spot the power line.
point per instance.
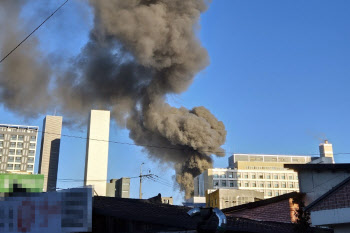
(174, 148)
(33, 31)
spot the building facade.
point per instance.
(262, 173)
(96, 163)
(119, 188)
(225, 198)
(49, 152)
(17, 148)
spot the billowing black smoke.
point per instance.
(138, 52)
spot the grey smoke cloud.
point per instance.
(138, 52)
(24, 76)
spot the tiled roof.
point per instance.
(144, 211)
(176, 216)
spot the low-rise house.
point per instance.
(332, 209)
(277, 209)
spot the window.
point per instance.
(216, 176)
(0, 151)
(277, 193)
(18, 159)
(297, 185)
(253, 184)
(12, 144)
(32, 138)
(13, 137)
(9, 166)
(1, 136)
(246, 176)
(11, 159)
(223, 176)
(30, 167)
(261, 177)
(246, 185)
(11, 151)
(276, 185)
(230, 175)
(231, 184)
(283, 185)
(18, 152)
(31, 145)
(253, 176)
(20, 137)
(283, 177)
(31, 152)
(275, 177)
(1, 144)
(291, 186)
(262, 185)
(268, 176)
(31, 160)
(269, 185)
(19, 145)
(216, 183)
(239, 184)
(291, 177)
(238, 175)
(223, 183)
(0, 158)
(269, 194)
(17, 166)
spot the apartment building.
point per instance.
(119, 188)
(262, 173)
(17, 148)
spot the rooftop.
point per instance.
(319, 167)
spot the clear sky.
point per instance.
(278, 78)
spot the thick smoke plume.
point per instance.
(138, 52)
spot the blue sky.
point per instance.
(278, 78)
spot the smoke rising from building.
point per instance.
(138, 52)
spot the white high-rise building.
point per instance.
(96, 162)
(262, 173)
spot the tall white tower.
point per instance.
(96, 162)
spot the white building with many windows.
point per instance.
(262, 173)
(17, 148)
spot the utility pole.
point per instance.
(141, 181)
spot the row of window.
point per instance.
(18, 167)
(223, 183)
(18, 159)
(253, 176)
(18, 152)
(17, 137)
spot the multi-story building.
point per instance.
(96, 162)
(50, 150)
(262, 173)
(17, 148)
(119, 188)
(225, 198)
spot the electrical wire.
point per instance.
(33, 31)
(174, 148)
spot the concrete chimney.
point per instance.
(326, 150)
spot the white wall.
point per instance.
(96, 163)
(315, 184)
